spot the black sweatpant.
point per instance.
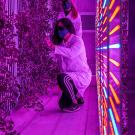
(69, 91)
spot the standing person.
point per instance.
(72, 14)
(75, 74)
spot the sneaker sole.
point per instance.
(69, 111)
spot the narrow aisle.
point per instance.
(54, 122)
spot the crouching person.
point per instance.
(75, 74)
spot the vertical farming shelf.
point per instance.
(111, 65)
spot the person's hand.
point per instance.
(49, 43)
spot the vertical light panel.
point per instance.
(109, 65)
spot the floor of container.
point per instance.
(55, 122)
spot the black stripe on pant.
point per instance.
(68, 88)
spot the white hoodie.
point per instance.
(73, 61)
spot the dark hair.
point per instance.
(67, 24)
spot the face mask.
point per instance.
(62, 32)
